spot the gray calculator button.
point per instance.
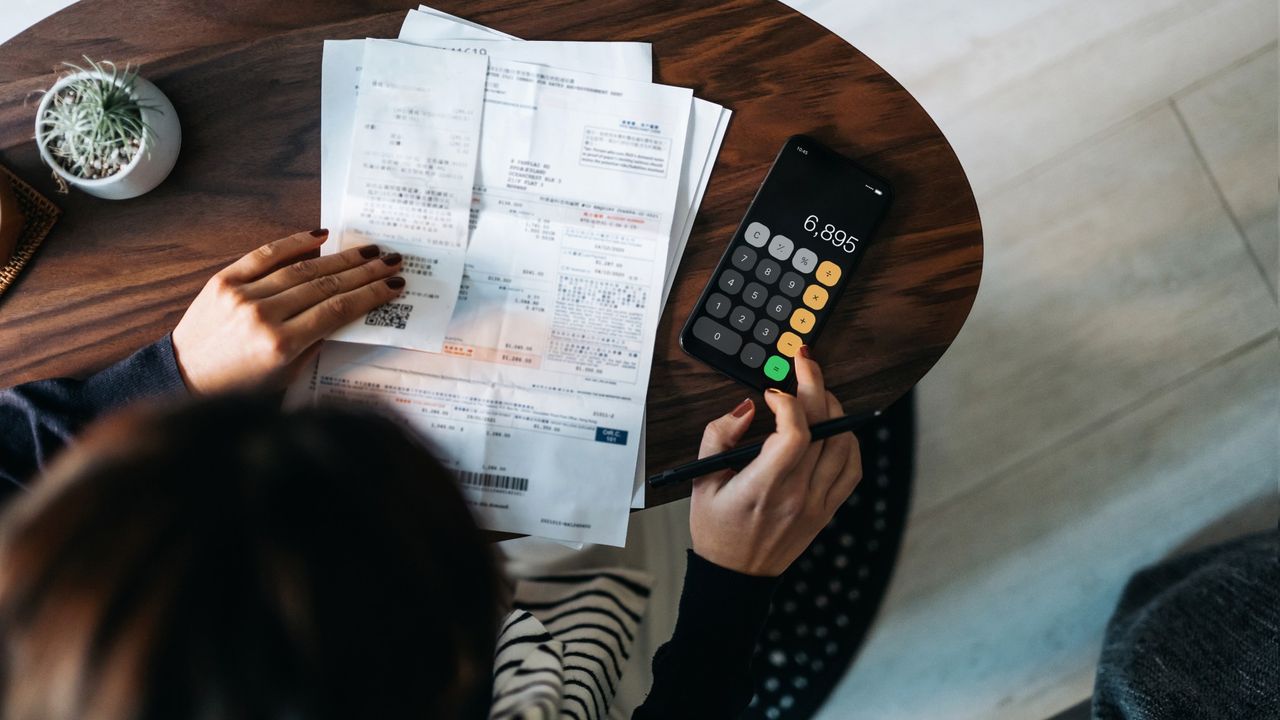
(781, 247)
(716, 335)
(791, 284)
(766, 332)
(757, 234)
(778, 307)
(754, 294)
(768, 271)
(731, 282)
(805, 260)
(718, 305)
(741, 318)
(752, 355)
(744, 258)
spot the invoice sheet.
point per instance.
(414, 148)
(538, 400)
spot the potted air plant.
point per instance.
(107, 131)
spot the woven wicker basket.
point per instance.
(41, 215)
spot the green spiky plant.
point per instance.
(93, 126)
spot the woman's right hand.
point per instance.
(760, 519)
(258, 321)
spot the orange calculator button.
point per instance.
(789, 344)
(802, 320)
(828, 273)
(815, 296)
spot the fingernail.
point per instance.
(392, 259)
(775, 390)
(369, 251)
(804, 352)
(743, 408)
(319, 232)
(395, 283)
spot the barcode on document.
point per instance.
(493, 481)
(391, 315)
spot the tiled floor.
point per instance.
(1115, 394)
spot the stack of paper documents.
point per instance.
(541, 194)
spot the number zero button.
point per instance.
(815, 296)
(828, 273)
(716, 335)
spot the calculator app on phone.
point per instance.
(785, 267)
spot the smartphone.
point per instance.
(787, 265)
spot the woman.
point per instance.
(227, 559)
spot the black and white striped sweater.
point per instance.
(561, 652)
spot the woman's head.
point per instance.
(228, 559)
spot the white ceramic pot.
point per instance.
(153, 162)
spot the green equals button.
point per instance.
(777, 368)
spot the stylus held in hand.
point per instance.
(738, 458)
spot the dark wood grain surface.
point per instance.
(245, 79)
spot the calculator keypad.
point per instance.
(766, 302)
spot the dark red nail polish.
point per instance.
(369, 251)
(319, 232)
(743, 408)
(392, 259)
(395, 283)
(804, 352)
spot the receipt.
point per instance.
(414, 145)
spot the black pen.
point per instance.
(738, 458)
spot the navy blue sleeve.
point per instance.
(703, 672)
(38, 418)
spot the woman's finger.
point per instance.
(299, 298)
(308, 269)
(813, 398)
(786, 446)
(260, 262)
(321, 320)
(850, 473)
(835, 453)
(721, 435)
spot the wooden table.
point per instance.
(245, 79)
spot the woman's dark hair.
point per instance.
(231, 560)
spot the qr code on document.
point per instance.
(391, 315)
